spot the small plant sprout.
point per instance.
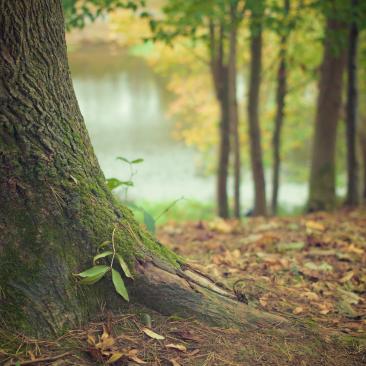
(113, 183)
(98, 271)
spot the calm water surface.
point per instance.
(124, 105)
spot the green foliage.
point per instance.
(97, 272)
(79, 12)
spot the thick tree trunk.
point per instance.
(351, 115)
(280, 112)
(233, 105)
(260, 207)
(322, 180)
(55, 207)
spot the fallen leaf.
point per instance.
(115, 357)
(314, 226)
(179, 347)
(348, 276)
(297, 310)
(152, 334)
(174, 362)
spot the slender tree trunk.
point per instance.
(280, 102)
(234, 119)
(322, 180)
(351, 115)
(56, 209)
(362, 142)
(220, 78)
(253, 111)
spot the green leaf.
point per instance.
(102, 255)
(149, 221)
(124, 266)
(93, 271)
(92, 279)
(123, 159)
(119, 284)
(137, 161)
(113, 183)
(104, 244)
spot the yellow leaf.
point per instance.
(105, 334)
(313, 225)
(179, 347)
(91, 340)
(152, 334)
(115, 357)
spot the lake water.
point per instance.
(124, 104)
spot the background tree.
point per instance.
(281, 92)
(214, 22)
(257, 12)
(323, 174)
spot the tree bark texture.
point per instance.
(322, 195)
(351, 115)
(280, 113)
(55, 208)
(260, 206)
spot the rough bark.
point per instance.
(233, 105)
(219, 72)
(280, 112)
(322, 195)
(56, 209)
(352, 198)
(253, 110)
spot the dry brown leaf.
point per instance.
(174, 362)
(348, 276)
(152, 334)
(179, 347)
(298, 310)
(312, 296)
(137, 360)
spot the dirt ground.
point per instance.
(309, 269)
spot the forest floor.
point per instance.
(310, 269)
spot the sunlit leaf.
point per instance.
(93, 271)
(150, 333)
(179, 347)
(115, 357)
(102, 255)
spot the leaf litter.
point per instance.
(310, 269)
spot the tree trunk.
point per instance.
(322, 180)
(351, 114)
(219, 73)
(253, 107)
(362, 142)
(56, 209)
(280, 103)
(233, 105)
